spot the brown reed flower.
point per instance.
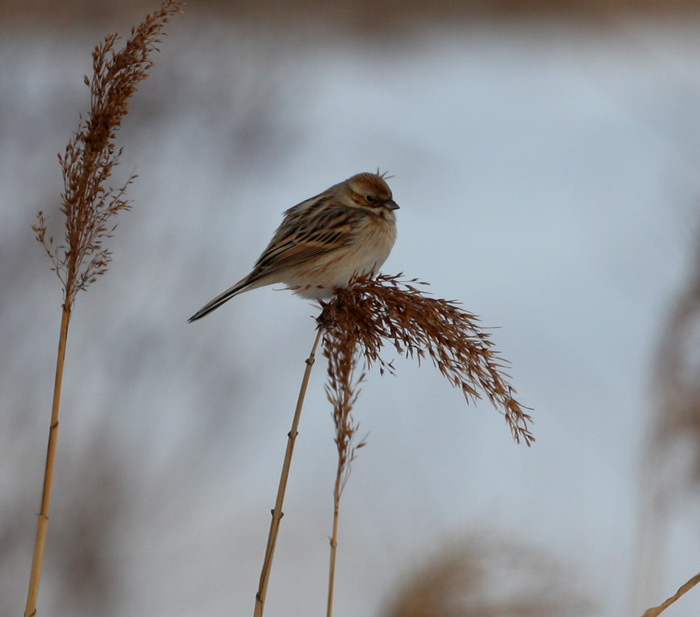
(89, 206)
(86, 201)
(373, 310)
(370, 311)
(481, 576)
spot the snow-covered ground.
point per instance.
(547, 177)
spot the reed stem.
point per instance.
(334, 537)
(277, 512)
(657, 610)
(43, 516)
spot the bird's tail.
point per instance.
(214, 304)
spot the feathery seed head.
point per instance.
(375, 310)
(88, 203)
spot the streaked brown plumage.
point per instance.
(322, 242)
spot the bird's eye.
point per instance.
(370, 199)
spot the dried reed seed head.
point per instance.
(91, 154)
(360, 318)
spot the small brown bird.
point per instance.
(347, 230)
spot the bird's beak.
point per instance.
(392, 205)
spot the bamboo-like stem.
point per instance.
(43, 516)
(277, 512)
(657, 610)
(334, 538)
(88, 204)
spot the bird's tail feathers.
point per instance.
(214, 304)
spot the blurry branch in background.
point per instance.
(479, 577)
(371, 311)
(84, 560)
(678, 381)
(83, 567)
(89, 207)
(671, 465)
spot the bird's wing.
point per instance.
(312, 228)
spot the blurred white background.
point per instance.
(547, 176)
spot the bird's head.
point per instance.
(370, 192)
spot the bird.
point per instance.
(347, 230)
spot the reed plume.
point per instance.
(90, 206)
(355, 324)
(370, 312)
(342, 391)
